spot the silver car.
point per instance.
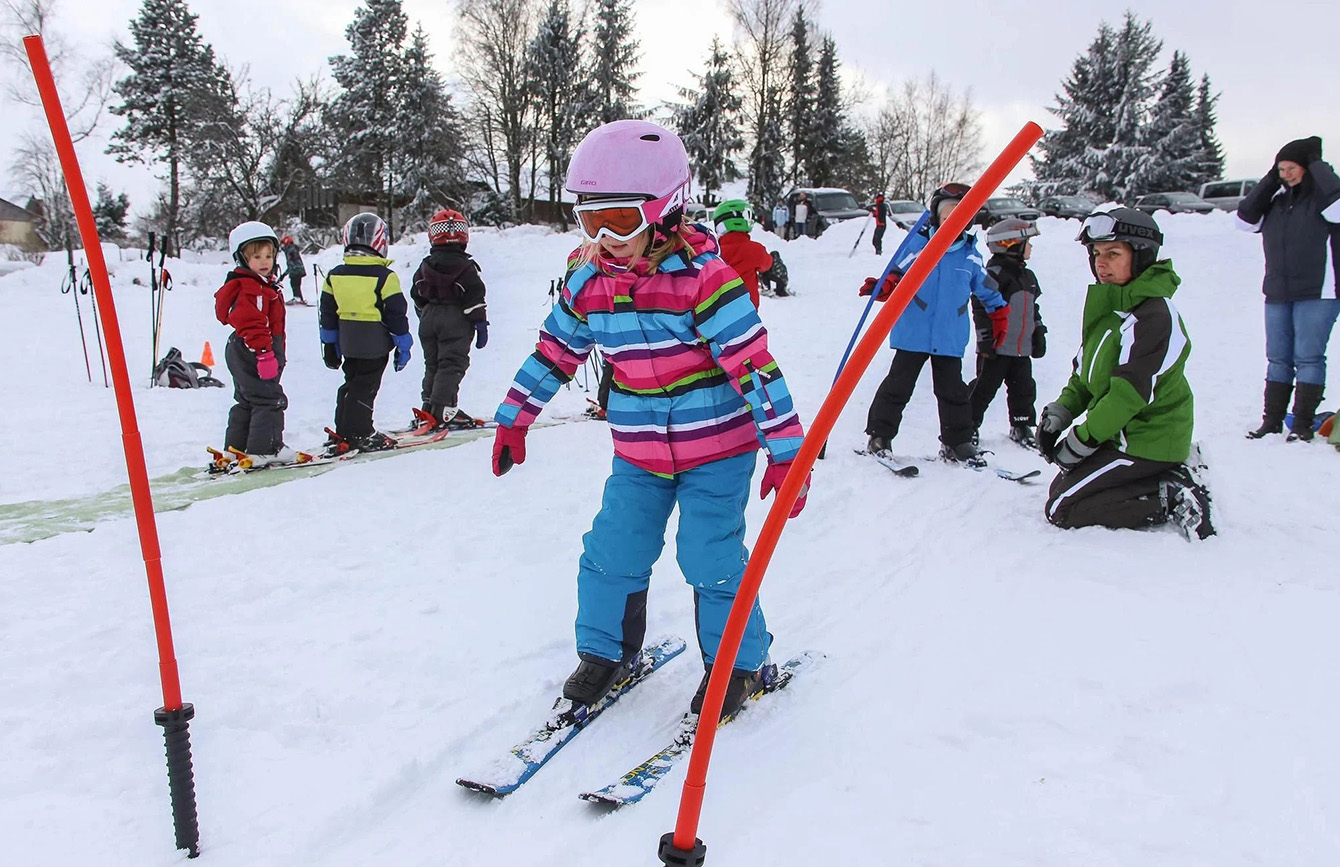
(1227, 195)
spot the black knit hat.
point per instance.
(1302, 151)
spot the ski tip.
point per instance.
(609, 802)
(481, 788)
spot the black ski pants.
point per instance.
(878, 238)
(951, 393)
(295, 283)
(256, 421)
(445, 335)
(354, 400)
(606, 383)
(1021, 392)
(1109, 488)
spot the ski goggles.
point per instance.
(624, 218)
(1011, 237)
(1106, 227)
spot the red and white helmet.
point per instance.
(633, 159)
(366, 233)
(448, 227)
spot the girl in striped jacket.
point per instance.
(696, 393)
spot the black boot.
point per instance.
(592, 679)
(1276, 405)
(1306, 399)
(743, 686)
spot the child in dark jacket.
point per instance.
(251, 303)
(448, 295)
(364, 318)
(1010, 358)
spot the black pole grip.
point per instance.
(181, 780)
(672, 856)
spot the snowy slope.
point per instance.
(996, 691)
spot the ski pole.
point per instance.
(164, 285)
(85, 288)
(153, 309)
(70, 285)
(859, 237)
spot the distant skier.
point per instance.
(695, 393)
(1010, 359)
(935, 328)
(448, 295)
(1122, 466)
(364, 318)
(734, 219)
(880, 212)
(296, 270)
(251, 304)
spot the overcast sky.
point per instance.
(1276, 67)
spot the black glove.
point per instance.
(986, 343)
(330, 353)
(1054, 419)
(1039, 341)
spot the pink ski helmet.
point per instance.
(633, 159)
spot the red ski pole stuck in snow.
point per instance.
(682, 846)
(173, 716)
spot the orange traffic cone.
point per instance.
(207, 356)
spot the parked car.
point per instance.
(1067, 207)
(1003, 207)
(1173, 203)
(1228, 194)
(697, 212)
(903, 213)
(829, 205)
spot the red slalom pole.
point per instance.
(682, 846)
(173, 716)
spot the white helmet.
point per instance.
(247, 232)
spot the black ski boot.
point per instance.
(375, 442)
(1276, 405)
(743, 686)
(1023, 435)
(452, 418)
(1188, 504)
(1306, 399)
(964, 453)
(593, 678)
(880, 446)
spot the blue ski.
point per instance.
(507, 774)
(641, 780)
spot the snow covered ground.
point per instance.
(996, 691)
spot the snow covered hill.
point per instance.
(996, 691)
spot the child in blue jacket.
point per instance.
(935, 326)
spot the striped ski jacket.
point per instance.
(1129, 374)
(694, 381)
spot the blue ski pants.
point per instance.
(626, 539)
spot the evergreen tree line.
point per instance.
(1128, 126)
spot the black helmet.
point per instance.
(948, 192)
(1129, 226)
(366, 233)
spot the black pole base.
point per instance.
(181, 779)
(672, 856)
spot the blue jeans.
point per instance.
(1296, 337)
(626, 539)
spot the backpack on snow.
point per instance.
(176, 372)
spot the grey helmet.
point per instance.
(1009, 236)
(1129, 226)
(366, 233)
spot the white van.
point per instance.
(1226, 195)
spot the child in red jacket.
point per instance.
(250, 302)
(734, 218)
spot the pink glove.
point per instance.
(267, 365)
(509, 447)
(773, 477)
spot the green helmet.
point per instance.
(733, 215)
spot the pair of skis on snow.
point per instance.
(908, 469)
(426, 431)
(567, 720)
